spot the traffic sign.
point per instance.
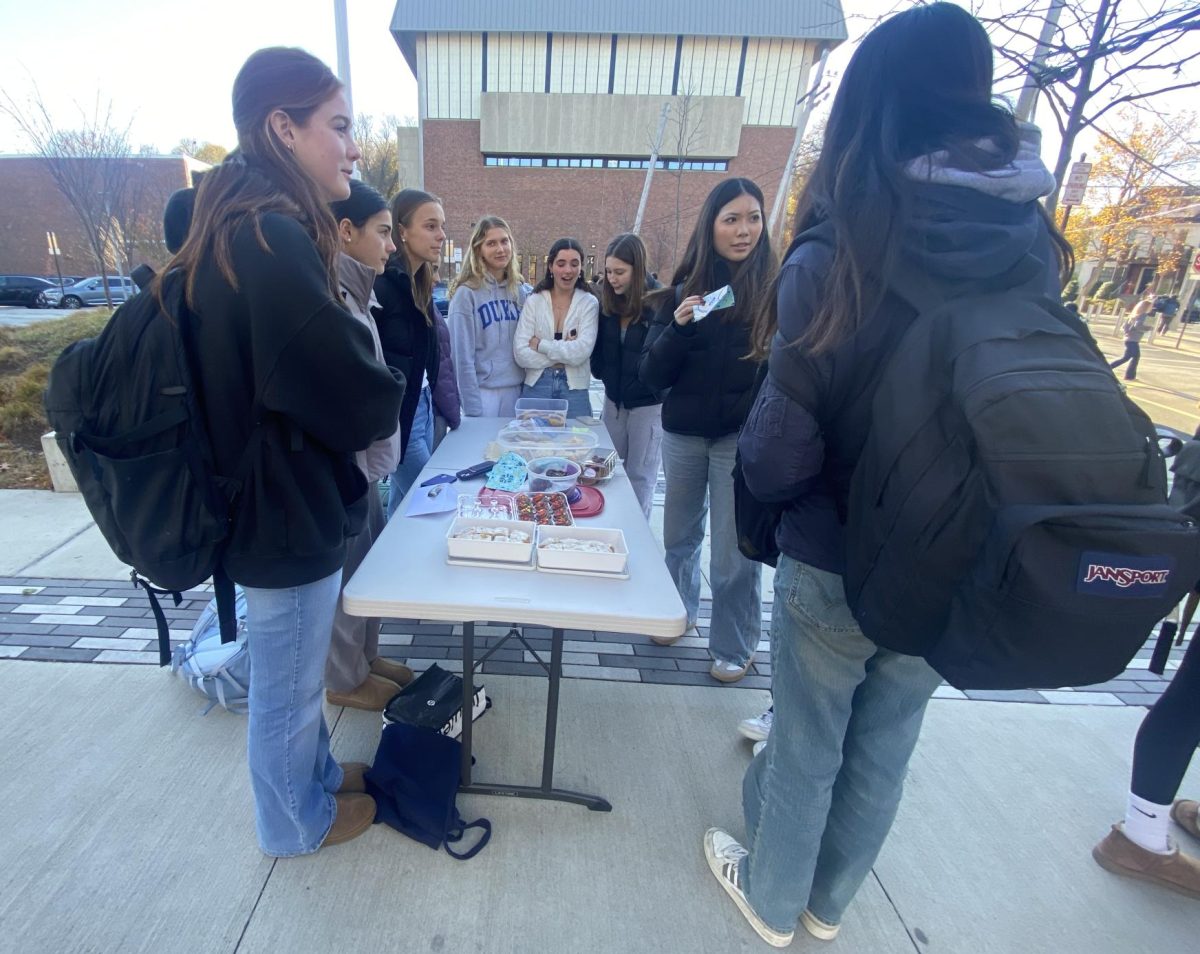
(1076, 185)
(1196, 264)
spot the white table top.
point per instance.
(406, 575)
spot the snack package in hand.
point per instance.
(713, 301)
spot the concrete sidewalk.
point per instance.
(128, 828)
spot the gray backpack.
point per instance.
(218, 671)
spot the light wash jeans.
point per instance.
(292, 773)
(553, 384)
(417, 452)
(820, 799)
(699, 472)
(637, 438)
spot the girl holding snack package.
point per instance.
(697, 347)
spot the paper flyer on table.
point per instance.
(713, 301)
(435, 499)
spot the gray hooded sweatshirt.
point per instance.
(357, 281)
(482, 324)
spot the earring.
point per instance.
(291, 147)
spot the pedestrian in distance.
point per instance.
(1135, 328)
(355, 674)
(632, 411)
(407, 326)
(703, 364)
(921, 173)
(485, 303)
(1167, 310)
(557, 330)
(292, 389)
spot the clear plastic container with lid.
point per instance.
(547, 412)
(531, 441)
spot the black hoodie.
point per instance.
(410, 342)
(804, 456)
(281, 336)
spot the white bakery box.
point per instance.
(464, 548)
(614, 559)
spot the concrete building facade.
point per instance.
(547, 114)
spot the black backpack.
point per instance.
(1008, 517)
(755, 521)
(126, 415)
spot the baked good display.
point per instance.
(544, 508)
(492, 534)
(576, 545)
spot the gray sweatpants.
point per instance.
(355, 642)
(637, 439)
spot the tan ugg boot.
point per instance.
(373, 695)
(1177, 871)
(355, 814)
(398, 673)
(1185, 813)
(352, 778)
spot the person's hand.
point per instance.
(534, 342)
(683, 314)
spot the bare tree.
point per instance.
(88, 164)
(209, 152)
(685, 132)
(379, 165)
(1122, 52)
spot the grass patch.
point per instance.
(26, 356)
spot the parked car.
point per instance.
(24, 290)
(441, 300)
(90, 291)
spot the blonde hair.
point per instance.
(473, 270)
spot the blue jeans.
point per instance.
(417, 452)
(292, 772)
(820, 799)
(553, 384)
(699, 473)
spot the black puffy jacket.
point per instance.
(410, 342)
(617, 362)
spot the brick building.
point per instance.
(545, 113)
(32, 205)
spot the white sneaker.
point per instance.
(758, 728)
(821, 930)
(758, 747)
(724, 854)
(728, 672)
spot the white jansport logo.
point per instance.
(1125, 577)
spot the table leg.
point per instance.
(546, 790)
(468, 698)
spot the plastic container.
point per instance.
(613, 560)
(543, 508)
(599, 467)
(461, 548)
(554, 475)
(486, 505)
(547, 412)
(531, 441)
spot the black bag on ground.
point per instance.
(1008, 517)
(126, 417)
(755, 521)
(434, 701)
(414, 781)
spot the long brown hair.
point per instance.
(261, 175)
(405, 203)
(752, 278)
(473, 270)
(631, 250)
(920, 82)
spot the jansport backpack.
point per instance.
(218, 670)
(124, 409)
(1008, 517)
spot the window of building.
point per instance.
(599, 162)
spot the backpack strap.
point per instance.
(460, 828)
(164, 634)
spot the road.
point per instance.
(1168, 379)
(18, 316)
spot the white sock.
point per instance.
(1146, 824)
